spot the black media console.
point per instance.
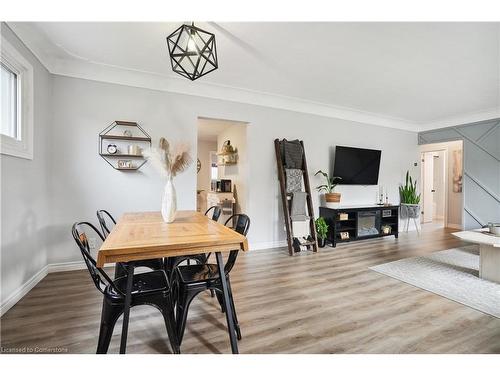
(354, 223)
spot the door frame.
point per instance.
(446, 171)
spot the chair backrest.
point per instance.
(216, 214)
(239, 223)
(81, 233)
(105, 226)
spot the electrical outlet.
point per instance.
(92, 243)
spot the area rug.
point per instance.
(453, 274)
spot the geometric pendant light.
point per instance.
(192, 51)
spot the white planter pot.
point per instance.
(169, 202)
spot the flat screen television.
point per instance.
(356, 166)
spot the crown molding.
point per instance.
(63, 63)
(468, 118)
(60, 62)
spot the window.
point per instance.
(16, 103)
(8, 96)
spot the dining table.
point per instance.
(144, 235)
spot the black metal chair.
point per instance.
(172, 262)
(121, 268)
(149, 288)
(193, 279)
(215, 216)
(105, 228)
(216, 212)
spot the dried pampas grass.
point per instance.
(169, 162)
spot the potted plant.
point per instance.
(329, 187)
(170, 161)
(410, 200)
(321, 230)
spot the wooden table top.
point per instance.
(144, 235)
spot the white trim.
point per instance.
(23, 147)
(77, 67)
(490, 114)
(20, 292)
(267, 245)
(136, 78)
(67, 266)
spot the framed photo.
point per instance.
(344, 235)
(124, 164)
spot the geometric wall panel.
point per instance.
(491, 141)
(438, 135)
(475, 132)
(481, 153)
(483, 202)
(482, 167)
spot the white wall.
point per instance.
(203, 150)
(238, 173)
(455, 200)
(25, 210)
(68, 181)
(82, 182)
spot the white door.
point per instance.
(427, 186)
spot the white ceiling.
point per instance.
(407, 75)
(209, 129)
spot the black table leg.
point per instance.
(227, 303)
(126, 310)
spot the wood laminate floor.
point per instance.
(329, 302)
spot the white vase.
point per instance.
(169, 202)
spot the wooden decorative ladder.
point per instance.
(286, 197)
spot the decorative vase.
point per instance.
(169, 202)
(332, 197)
(321, 242)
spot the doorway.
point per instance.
(441, 185)
(434, 187)
(222, 166)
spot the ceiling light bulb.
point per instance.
(191, 46)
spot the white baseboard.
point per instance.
(67, 266)
(20, 292)
(267, 245)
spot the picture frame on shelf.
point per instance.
(124, 164)
(344, 235)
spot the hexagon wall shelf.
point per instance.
(121, 145)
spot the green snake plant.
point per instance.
(321, 227)
(408, 192)
(330, 182)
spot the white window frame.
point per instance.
(22, 147)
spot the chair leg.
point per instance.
(168, 316)
(221, 301)
(184, 299)
(109, 316)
